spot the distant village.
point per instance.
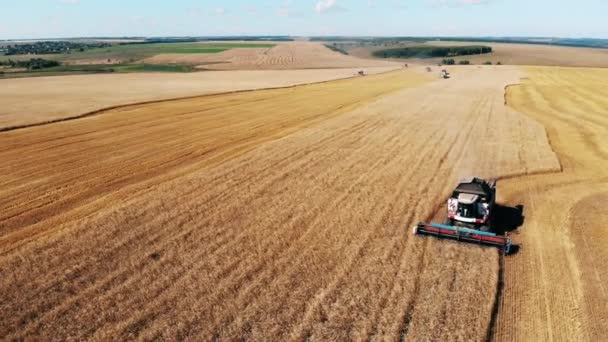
(49, 47)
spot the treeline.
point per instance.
(572, 42)
(50, 47)
(432, 51)
(336, 48)
(32, 64)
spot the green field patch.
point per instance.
(130, 53)
(158, 48)
(110, 68)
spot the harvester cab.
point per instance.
(470, 214)
(471, 204)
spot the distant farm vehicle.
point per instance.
(470, 216)
(361, 73)
(429, 69)
(444, 74)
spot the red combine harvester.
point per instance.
(470, 216)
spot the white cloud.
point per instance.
(286, 10)
(283, 12)
(323, 6)
(398, 4)
(220, 11)
(70, 1)
(457, 3)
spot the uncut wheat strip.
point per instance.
(338, 279)
(130, 147)
(362, 285)
(505, 170)
(571, 172)
(174, 218)
(441, 159)
(313, 309)
(391, 76)
(590, 252)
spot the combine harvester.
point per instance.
(470, 216)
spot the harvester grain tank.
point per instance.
(470, 216)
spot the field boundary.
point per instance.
(120, 106)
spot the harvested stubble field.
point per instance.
(267, 215)
(536, 54)
(284, 55)
(29, 101)
(513, 54)
(556, 288)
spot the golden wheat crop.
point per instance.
(284, 55)
(278, 214)
(62, 97)
(555, 289)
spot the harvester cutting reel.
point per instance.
(464, 234)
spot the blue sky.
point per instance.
(70, 18)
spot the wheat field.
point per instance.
(555, 289)
(34, 100)
(284, 55)
(277, 214)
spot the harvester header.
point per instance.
(464, 234)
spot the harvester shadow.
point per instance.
(508, 219)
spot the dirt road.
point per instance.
(197, 218)
(556, 287)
